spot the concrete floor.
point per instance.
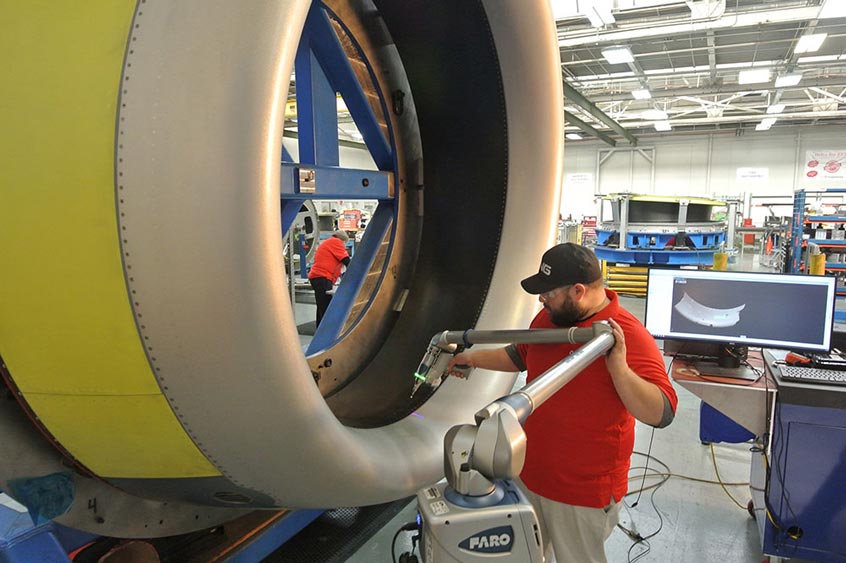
(697, 520)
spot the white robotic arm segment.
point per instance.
(500, 448)
(476, 456)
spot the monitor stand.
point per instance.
(727, 364)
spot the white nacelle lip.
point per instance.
(203, 139)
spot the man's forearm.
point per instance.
(495, 359)
(644, 400)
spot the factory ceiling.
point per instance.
(700, 65)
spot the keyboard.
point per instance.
(812, 375)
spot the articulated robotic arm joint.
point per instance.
(476, 456)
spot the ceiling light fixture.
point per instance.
(818, 59)
(663, 126)
(810, 43)
(644, 94)
(765, 124)
(833, 9)
(776, 108)
(654, 115)
(599, 15)
(618, 55)
(786, 80)
(753, 76)
(574, 136)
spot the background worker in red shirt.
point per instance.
(580, 441)
(328, 259)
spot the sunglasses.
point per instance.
(547, 295)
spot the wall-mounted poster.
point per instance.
(825, 165)
(753, 174)
(580, 179)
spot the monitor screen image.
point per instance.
(788, 311)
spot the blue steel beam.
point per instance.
(323, 68)
(345, 297)
(330, 53)
(317, 109)
(259, 546)
(335, 183)
(290, 209)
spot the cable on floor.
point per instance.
(405, 557)
(689, 478)
(664, 476)
(639, 539)
(717, 472)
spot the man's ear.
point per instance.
(579, 290)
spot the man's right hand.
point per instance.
(495, 359)
(460, 361)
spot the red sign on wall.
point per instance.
(825, 165)
(349, 220)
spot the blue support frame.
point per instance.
(290, 209)
(21, 541)
(323, 68)
(336, 183)
(336, 65)
(317, 109)
(668, 257)
(270, 539)
(344, 300)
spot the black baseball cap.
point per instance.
(563, 264)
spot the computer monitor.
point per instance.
(735, 310)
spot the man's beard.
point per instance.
(568, 315)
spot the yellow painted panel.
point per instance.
(65, 321)
(66, 327)
(139, 430)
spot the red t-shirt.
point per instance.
(579, 442)
(327, 259)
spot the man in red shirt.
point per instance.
(580, 441)
(328, 259)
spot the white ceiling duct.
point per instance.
(726, 21)
(563, 9)
(632, 4)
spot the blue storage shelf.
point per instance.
(827, 242)
(825, 218)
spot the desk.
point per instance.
(747, 403)
(807, 455)
(805, 445)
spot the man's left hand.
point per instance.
(615, 360)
